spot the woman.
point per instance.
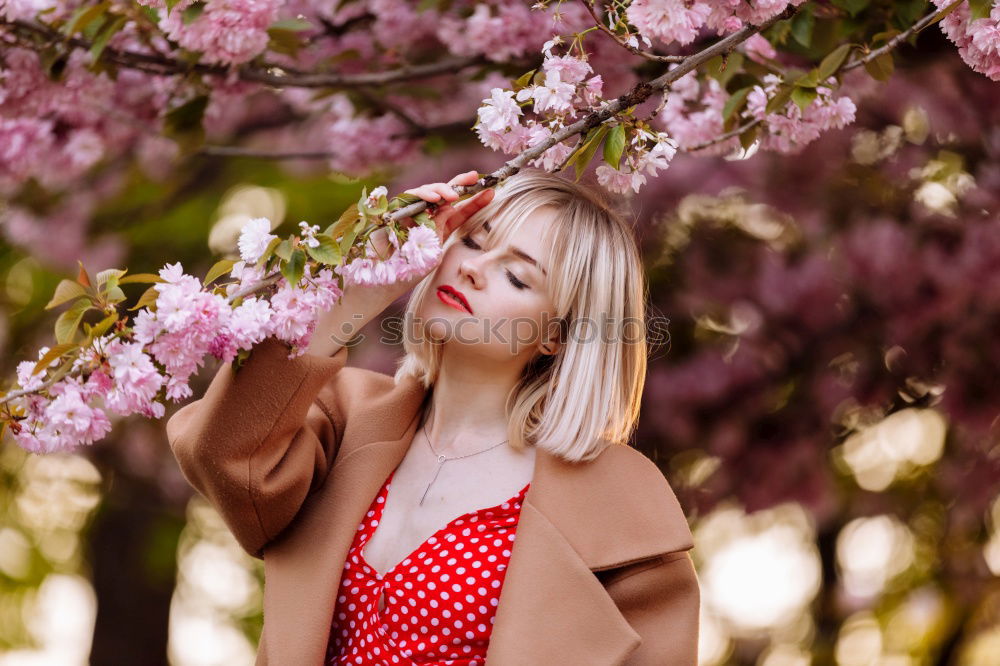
(387, 508)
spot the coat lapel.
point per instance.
(552, 608)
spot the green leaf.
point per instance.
(523, 80)
(853, 7)
(881, 68)
(284, 40)
(84, 16)
(585, 149)
(191, 14)
(145, 278)
(284, 250)
(944, 12)
(832, 62)
(749, 136)
(147, 300)
(735, 101)
(424, 219)
(615, 145)
(66, 290)
(808, 80)
(779, 101)
(103, 276)
(52, 354)
(69, 321)
(346, 221)
(272, 247)
(294, 24)
(115, 294)
(105, 34)
(803, 97)
(802, 27)
(402, 201)
(102, 326)
(220, 267)
(294, 268)
(980, 9)
(348, 239)
(186, 118)
(327, 251)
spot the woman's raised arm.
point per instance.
(259, 441)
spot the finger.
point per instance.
(475, 198)
(445, 190)
(473, 205)
(461, 214)
(467, 178)
(425, 193)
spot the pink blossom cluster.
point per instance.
(227, 32)
(791, 129)
(682, 21)
(53, 132)
(414, 258)
(692, 113)
(167, 344)
(566, 89)
(646, 161)
(978, 40)
(499, 31)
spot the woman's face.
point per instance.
(504, 287)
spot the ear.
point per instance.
(551, 343)
(549, 347)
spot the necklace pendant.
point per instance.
(441, 461)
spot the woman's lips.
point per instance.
(448, 298)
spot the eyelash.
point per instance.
(469, 243)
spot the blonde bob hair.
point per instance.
(586, 396)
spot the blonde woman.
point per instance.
(483, 504)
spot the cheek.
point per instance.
(522, 315)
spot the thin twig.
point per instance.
(892, 43)
(589, 4)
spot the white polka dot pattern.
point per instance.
(440, 600)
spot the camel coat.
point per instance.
(291, 452)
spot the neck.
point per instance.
(466, 410)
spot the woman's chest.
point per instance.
(417, 504)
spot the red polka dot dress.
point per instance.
(440, 600)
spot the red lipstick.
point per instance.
(453, 297)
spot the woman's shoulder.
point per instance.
(362, 395)
(615, 507)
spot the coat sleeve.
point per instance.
(660, 597)
(260, 441)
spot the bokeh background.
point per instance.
(825, 405)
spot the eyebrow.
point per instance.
(520, 253)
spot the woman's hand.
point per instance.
(447, 218)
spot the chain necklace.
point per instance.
(442, 459)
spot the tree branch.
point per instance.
(639, 93)
(272, 74)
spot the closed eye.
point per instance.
(469, 243)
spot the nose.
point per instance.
(473, 270)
